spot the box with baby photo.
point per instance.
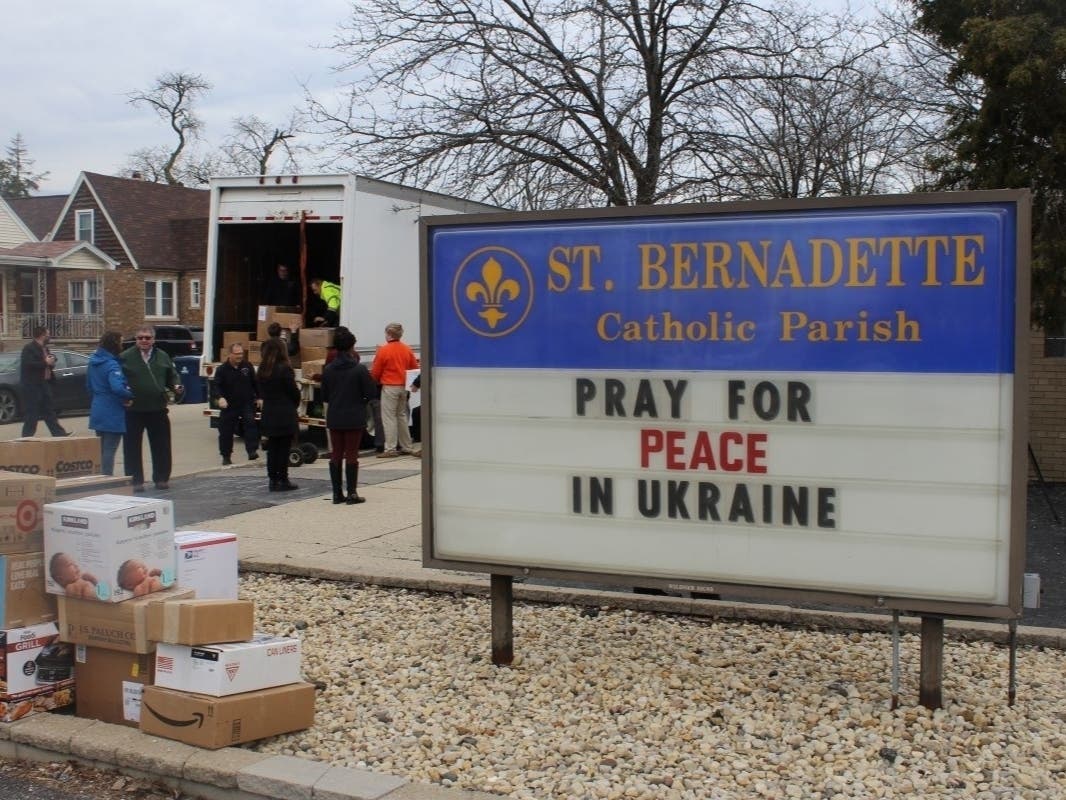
(109, 547)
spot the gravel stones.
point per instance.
(626, 704)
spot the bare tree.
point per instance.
(595, 101)
(172, 98)
(253, 143)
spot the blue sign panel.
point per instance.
(909, 288)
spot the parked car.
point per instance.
(68, 390)
(176, 340)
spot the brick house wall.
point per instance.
(1047, 410)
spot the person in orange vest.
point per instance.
(391, 362)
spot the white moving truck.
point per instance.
(357, 232)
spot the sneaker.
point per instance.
(253, 456)
(227, 461)
(388, 454)
(138, 487)
(162, 485)
(414, 453)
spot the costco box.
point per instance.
(109, 547)
(224, 669)
(89, 485)
(36, 671)
(110, 684)
(113, 626)
(316, 337)
(22, 501)
(290, 318)
(196, 622)
(216, 722)
(311, 353)
(207, 562)
(57, 457)
(23, 600)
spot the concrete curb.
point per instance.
(478, 584)
(231, 773)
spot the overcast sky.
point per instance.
(67, 68)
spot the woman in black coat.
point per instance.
(278, 420)
(346, 389)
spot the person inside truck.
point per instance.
(287, 335)
(282, 290)
(324, 309)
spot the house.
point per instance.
(112, 254)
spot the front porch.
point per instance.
(73, 331)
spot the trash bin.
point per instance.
(188, 368)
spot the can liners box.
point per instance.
(36, 671)
(207, 562)
(56, 457)
(111, 684)
(22, 501)
(113, 626)
(216, 722)
(23, 601)
(198, 622)
(109, 547)
(225, 669)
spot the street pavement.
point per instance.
(380, 541)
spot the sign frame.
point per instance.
(1011, 609)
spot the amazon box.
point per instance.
(112, 626)
(217, 722)
(23, 600)
(36, 671)
(207, 562)
(201, 621)
(22, 501)
(57, 457)
(109, 547)
(110, 684)
(225, 669)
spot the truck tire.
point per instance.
(309, 452)
(296, 457)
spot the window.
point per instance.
(159, 298)
(1055, 340)
(194, 293)
(84, 297)
(83, 222)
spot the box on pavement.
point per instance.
(109, 547)
(113, 626)
(290, 318)
(216, 722)
(207, 562)
(89, 485)
(224, 669)
(57, 457)
(23, 600)
(110, 684)
(36, 671)
(316, 337)
(22, 501)
(196, 622)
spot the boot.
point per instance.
(283, 482)
(351, 475)
(335, 479)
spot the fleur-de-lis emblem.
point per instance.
(492, 291)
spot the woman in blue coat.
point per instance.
(110, 396)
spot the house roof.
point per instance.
(161, 226)
(39, 213)
(49, 253)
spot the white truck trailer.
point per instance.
(358, 232)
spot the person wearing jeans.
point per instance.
(110, 395)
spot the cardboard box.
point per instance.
(66, 457)
(112, 626)
(236, 337)
(224, 669)
(60, 695)
(312, 354)
(33, 662)
(207, 562)
(216, 722)
(196, 622)
(23, 601)
(286, 317)
(110, 684)
(317, 337)
(22, 501)
(109, 547)
(89, 485)
(312, 370)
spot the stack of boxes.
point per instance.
(313, 341)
